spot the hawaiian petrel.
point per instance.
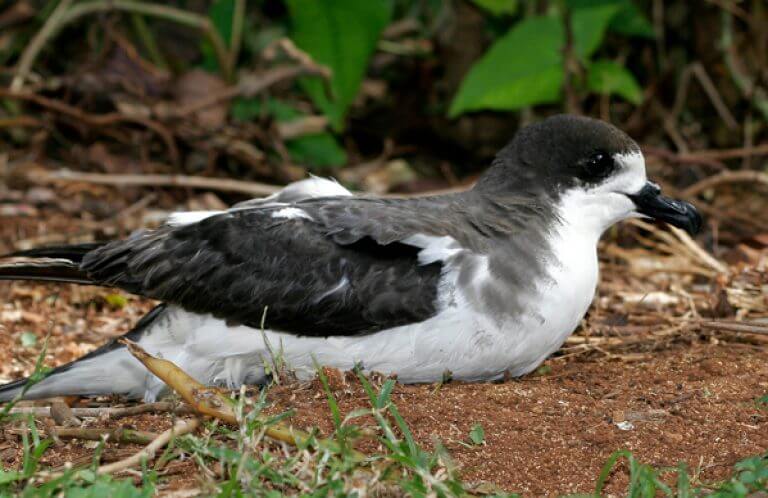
(483, 283)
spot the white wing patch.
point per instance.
(433, 248)
(315, 187)
(189, 217)
(291, 213)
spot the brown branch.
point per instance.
(111, 412)
(723, 154)
(728, 176)
(40, 176)
(747, 328)
(179, 429)
(118, 435)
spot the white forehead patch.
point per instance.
(630, 175)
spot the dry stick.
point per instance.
(64, 15)
(202, 182)
(182, 427)
(697, 250)
(748, 328)
(51, 26)
(726, 177)
(111, 412)
(723, 154)
(119, 435)
(179, 429)
(714, 96)
(183, 181)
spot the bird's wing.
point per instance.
(309, 188)
(331, 266)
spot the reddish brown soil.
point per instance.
(685, 397)
(551, 433)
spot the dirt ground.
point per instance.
(636, 380)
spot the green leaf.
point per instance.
(7, 476)
(629, 20)
(220, 14)
(116, 301)
(607, 78)
(522, 68)
(762, 401)
(477, 434)
(320, 151)
(498, 7)
(342, 35)
(589, 25)
(28, 339)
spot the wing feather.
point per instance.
(318, 274)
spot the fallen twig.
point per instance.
(730, 326)
(179, 429)
(256, 189)
(118, 435)
(148, 452)
(110, 412)
(183, 181)
(747, 176)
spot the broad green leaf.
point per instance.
(321, 151)
(477, 434)
(607, 77)
(342, 35)
(7, 476)
(523, 67)
(589, 25)
(629, 20)
(499, 7)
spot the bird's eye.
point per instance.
(598, 165)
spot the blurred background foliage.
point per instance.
(386, 95)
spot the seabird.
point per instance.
(480, 284)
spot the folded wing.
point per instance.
(309, 268)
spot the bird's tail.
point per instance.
(107, 370)
(52, 264)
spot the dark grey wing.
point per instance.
(236, 264)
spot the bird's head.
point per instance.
(590, 169)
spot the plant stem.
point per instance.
(49, 29)
(236, 39)
(148, 40)
(64, 14)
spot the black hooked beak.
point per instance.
(681, 214)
